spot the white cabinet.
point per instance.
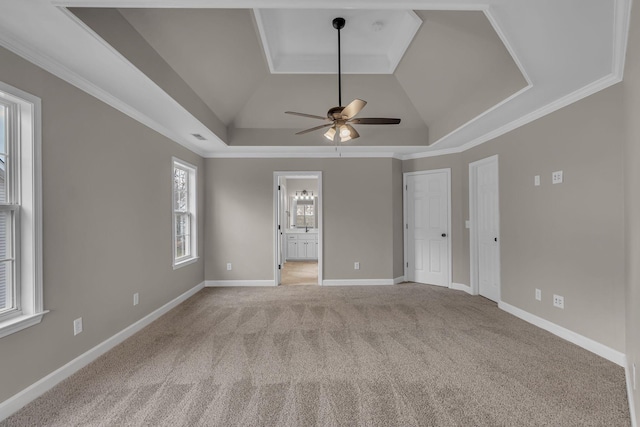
(302, 246)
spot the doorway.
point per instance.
(427, 218)
(298, 234)
(484, 210)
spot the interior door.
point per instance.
(487, 229)
(427, 227)
(281, 209)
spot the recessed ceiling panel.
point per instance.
(303, 41)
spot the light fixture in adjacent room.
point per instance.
(303, 195)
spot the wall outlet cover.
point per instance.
(538, 294)
(356, 265)
(536, 180)
(558, 301)
(557, 177)
(136, 299)
(228, 266)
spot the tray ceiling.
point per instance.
(455, 87)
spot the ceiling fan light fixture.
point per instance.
(331, 133)
(339, 117)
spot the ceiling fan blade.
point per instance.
(353, 108)
(375, 121)
(315, 128)
(311, 116)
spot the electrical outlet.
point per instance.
(136, 299)
(558, 301)
(538, 294)
(228, 266)
(356, 265)
(77, 326)
(556, 177)
(536, 180)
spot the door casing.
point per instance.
(276, 233)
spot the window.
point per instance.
(184, 213)
(21, 303)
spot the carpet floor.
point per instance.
(406, 355)
(299, 273)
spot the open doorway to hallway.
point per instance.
(298, 227)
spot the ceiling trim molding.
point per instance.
(557, 104)
(497, 27)
(300, 155)
(74, 79)
(281, 4)
(622, 21)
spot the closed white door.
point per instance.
(487, 228)
(427, 227)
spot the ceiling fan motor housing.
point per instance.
(338, 23)
(335, 113)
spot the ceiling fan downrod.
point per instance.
(338, 24)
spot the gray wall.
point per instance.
(631, 103)
(357, 210)
(565, 239)
(107, 225)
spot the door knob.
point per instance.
(495, 239)
(444, 234)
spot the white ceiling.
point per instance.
(304, 40)
(566, 49)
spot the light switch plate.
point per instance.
(556, 177)
(77, 326)
(536, 180)
(136, 298)
(538, 295)
(467, 224)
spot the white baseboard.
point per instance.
(632, 406)
(398, 280)
(359, 282)
(37, 389)
(587, 343)
(461, 287)
(225, 283)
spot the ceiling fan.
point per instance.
(341, 118)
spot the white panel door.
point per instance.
(427, 214)
(487, 223)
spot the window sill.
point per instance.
(20, 322)
(177, 265)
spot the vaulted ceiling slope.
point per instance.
(474, 70)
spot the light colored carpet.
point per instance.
(403, 355)
(299, 273)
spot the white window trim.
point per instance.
(31, 308)
(193, 208)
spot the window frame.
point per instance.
(24, 174)
(191, 211)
